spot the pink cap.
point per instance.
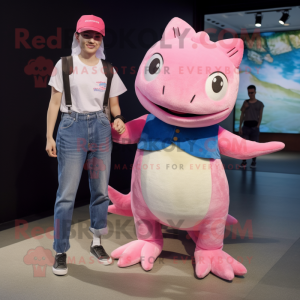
(90, 22)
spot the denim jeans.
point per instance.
(83, 141)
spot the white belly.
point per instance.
(176, 186)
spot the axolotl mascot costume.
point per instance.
(188, 84)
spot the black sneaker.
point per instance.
(60, 264)
(243, 165)
(99, 253)
(253, 165)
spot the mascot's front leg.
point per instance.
(210, 257)
(146, 249)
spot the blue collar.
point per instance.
(200, 142)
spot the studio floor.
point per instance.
(266, 203)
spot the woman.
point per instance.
(83, 137)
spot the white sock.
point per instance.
(96, 241)
(58, 253)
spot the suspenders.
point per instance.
(67, 69)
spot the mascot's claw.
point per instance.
(145, 252)
(218, 262)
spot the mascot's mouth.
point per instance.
(180, 114)
(177, 113)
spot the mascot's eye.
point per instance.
(216, 86)
(153, 67)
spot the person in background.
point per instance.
(252, 111)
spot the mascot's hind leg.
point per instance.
(150, 240)
(146, 249)
(209, 255)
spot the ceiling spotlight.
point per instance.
(258, 18)
(285, 16)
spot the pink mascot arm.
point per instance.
(234, 146)
(132, 133)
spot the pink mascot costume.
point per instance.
(188, 84)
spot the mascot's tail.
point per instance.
(122, 205)
(231, 220)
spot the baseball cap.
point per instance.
(90, 22)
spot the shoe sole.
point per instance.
(104, 262)
(59, 271)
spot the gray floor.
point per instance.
(268, 203)
(278, 162)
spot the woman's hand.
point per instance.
(51, 147)
(119, 126)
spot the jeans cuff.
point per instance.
(99, 232)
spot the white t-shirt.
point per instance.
(88, 84)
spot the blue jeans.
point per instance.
(83, 141)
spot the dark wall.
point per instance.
(29, 177)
